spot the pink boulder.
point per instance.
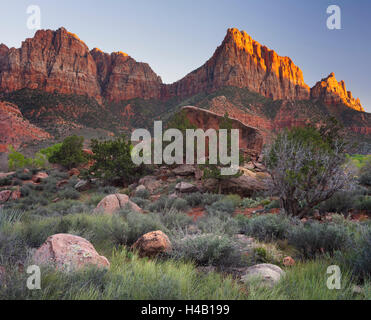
(153, 243)
(5, 195)
(114, 202)
(39, 176)
(67, 252)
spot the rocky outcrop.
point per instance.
(50, 61)
(58, 61)
(122, 78)
(114, 202)
(242, 62)
(332, 92)
(16, 130)
(152, 244)
(251, 140)
(67, 252)
(268, 274)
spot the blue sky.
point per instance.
(177, 36)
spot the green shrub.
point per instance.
(316, 238)
(70, 153)
(218, 225)
(174, 220)
(143, 193)
(363, 203)
(225, 205)
(129, 278)
(140, 224)
(267, 227)
(113, 163)
(207, 249)
(69, 193)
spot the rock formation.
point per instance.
(68, 252)
(15, 130)
(122, 78)
(251, 140)
(242, 62)
(58, 61)
(332, 92)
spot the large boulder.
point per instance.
(184, 170)
(153, 243)
(67, 252)
(5, 195)
(39, 176)
(114, 202)
(268, 274)
(82, 185)
(185, 187)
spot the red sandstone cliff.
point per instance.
(15, 130)
(242, 62)
(58, 61)
(332, 92)
(122, 78)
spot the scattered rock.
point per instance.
(151, 183)
(288, 261)
(5, 195)
(185, 187)
(140, 188)
(16, 194)
(2, 274)
(39, 176)
(61, 183)
(357, 289)
(153, 243)
(268, 274)
(246, 185)
(249, 166)
(82, 185)
(114, 202)
(259, 166)
(67, 252)
(74, 172)
(184, 170)
(6, 174)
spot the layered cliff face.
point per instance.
(242, 62)
(332, 92)
(251, 139)
(50, 61)
(58, 61)
(15, 130)
(122, 78)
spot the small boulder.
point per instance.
(184, 170)
(288, 261)
(68, 252)
(2, 274)
(74, 172)
(114, 202)
(39, 176)
(151, 183)
(5, 195)
(140, 188)
(268, 274)
(185, 187)
(153, 243)
(82, 185)
(16, 194)
(62, 183)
